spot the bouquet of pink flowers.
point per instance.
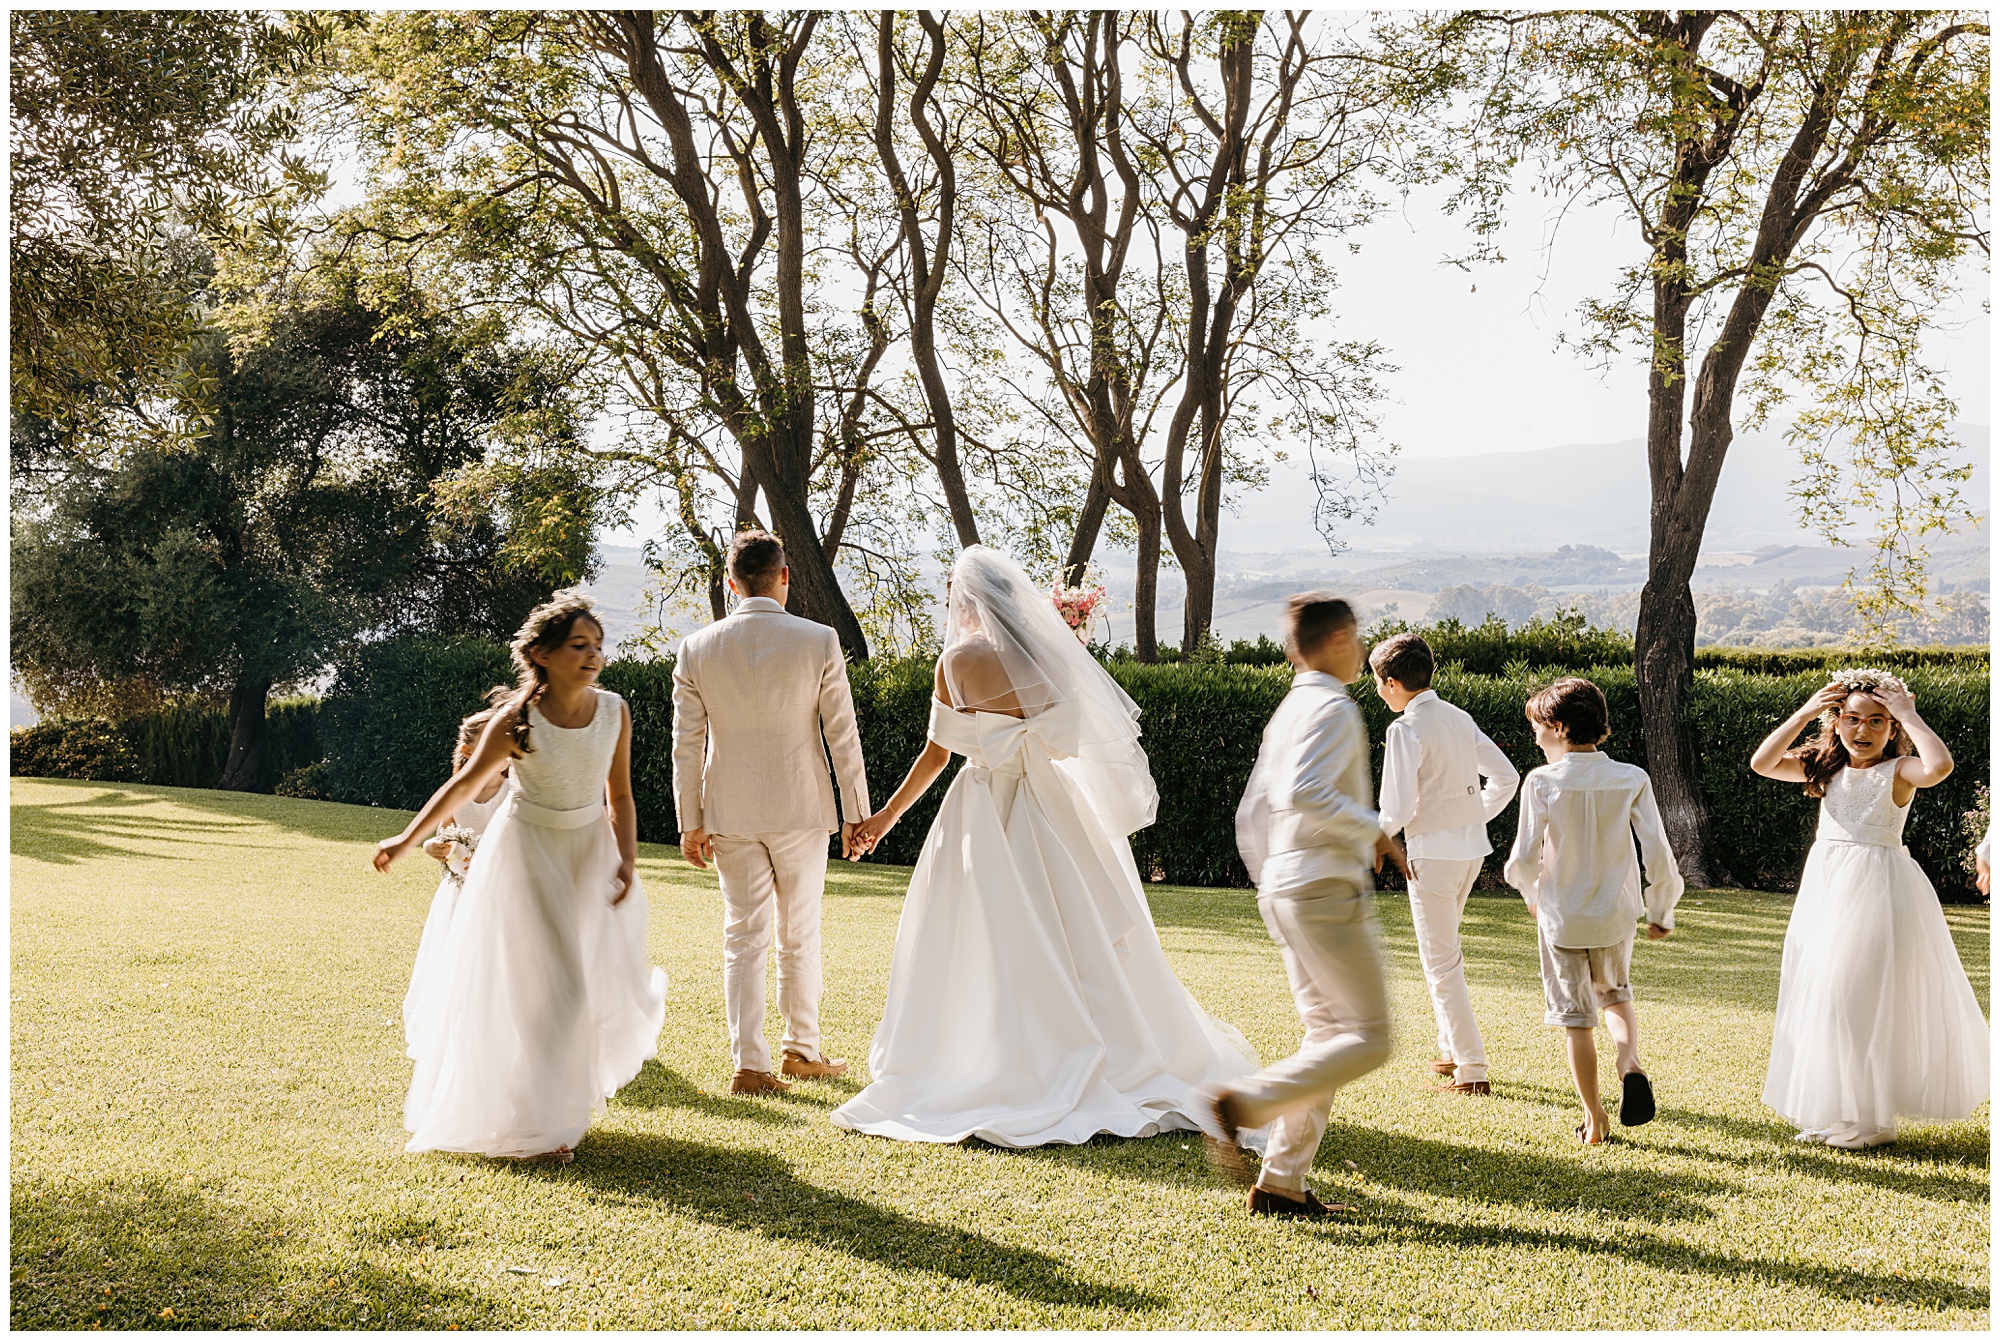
(1078, 605)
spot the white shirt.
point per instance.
(1573, 859)
(1307, 814)
(1402, 757)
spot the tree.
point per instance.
(131, 130)
(1264, 143)
(1805, 185)
(237, 557)
(642, 182)
(1050, 90)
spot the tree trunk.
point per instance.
(247, 736)
(1146, 590)
(1089, 522)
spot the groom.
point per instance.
(760, 702)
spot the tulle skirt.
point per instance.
(1029, 1000)
(536, 1003)
(1876, 1019)
(420, 1013)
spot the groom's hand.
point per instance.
(848, 847)
(697, 849)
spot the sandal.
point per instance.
(1583, 1127)
(1635, 1106)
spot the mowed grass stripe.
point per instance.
(208, 1074)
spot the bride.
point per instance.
(1029, 999)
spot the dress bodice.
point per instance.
(998, 742)
(476, 815)
(1860, 807)
(567, 767)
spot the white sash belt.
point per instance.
(557, 819)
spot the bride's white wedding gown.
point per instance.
(1029, 1001)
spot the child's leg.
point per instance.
(1437, 902)
(1582, 1041)
(1623, 1023)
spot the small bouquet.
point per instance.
(463, 842)
(1078, 605)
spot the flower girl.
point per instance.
(1875, 1018)
(539, 1004)
(452, 848)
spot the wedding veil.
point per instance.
(1034, 665)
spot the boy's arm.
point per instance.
(1333, 740)
(1401, 754)
(1502, 778)
(1524, 863)
(1663, 874)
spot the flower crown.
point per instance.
(1863, 679)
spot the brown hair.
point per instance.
(1576, 707)
(755, 560)
(1825, 754)
(1311, 617)
(470, 729)
(546, 628)
(1406, 659)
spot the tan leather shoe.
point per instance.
(800, 1067)
(747, 1081)
(1225, 1156)
(1264, 1202)
(1467, 1087)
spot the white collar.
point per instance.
(759, 605)
(1419, 697)
(1318, 678)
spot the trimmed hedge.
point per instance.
(391, 717)
(389, 721)
(175, 747)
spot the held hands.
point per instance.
(696, 847)
(1387, 846)
(867, 834)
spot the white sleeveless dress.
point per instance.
(1029, 1001)
(419, 1016)
(1876, 1019)
(545, 1004)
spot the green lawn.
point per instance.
(208, 1074)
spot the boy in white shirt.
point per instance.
(1433, 759)
(1573, 863)
(1308, 834)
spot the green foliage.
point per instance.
(1973, 827)
(306, 784)
(178, 746)
(1489, 647)
(648, 690)
(390, 720)
(89, 748)
(1793, 661)
(121, 120)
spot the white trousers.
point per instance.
(771, 881)
(1437, 901)
(1327, 933)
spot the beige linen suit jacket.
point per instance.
(753, 694)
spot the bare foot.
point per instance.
(1595, 1129)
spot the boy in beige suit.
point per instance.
(760, 703)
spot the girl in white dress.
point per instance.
(1876, 1019)
(543, 1004)
(473, 815)
(1029, 999)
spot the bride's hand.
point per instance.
(871, 831)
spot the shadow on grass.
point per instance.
(752, 1191)
(658, 1087)
(104, 822)
(1384, 1221)
(121, 1255)
(1475, 1173)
